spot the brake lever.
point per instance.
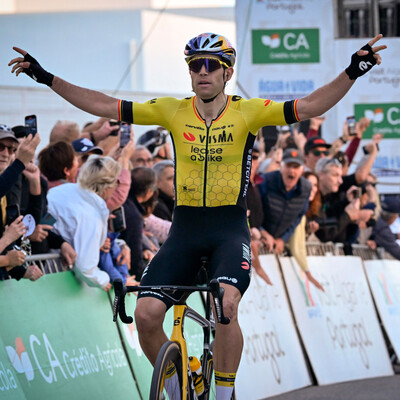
(119, 303)
(218, 293)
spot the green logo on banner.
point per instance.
(285, 46)
(385, 118)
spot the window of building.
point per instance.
(366, 18)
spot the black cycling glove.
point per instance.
(360, 65)
(36, 72)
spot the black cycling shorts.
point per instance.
(219, 233)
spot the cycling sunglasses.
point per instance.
(211, 64)
(317, 153)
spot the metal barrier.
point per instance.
(49, 263)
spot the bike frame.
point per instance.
(181, 311)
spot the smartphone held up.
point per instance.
(31, 125)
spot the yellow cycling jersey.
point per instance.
(212, 163)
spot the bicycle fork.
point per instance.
(178, 337)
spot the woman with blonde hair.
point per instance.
(81, 215)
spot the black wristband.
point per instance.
(342, 140)
(36, 72)
(360, 65)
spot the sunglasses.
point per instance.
(317, 153)
(211, 64)
(11, 149)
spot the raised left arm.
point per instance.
(324, 98)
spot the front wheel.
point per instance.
(166, 383)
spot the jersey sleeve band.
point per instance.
(125, 111)
(290, 111)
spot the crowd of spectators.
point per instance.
(107, 208)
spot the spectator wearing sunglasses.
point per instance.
(212, 133)
(315, 149)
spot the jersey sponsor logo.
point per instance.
(247, 173)
(187, 189)
(218, 138)
(266, 102)
(152, 101)
(201, 153)
(236, 98)
(189, 136)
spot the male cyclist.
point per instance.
(213, 136)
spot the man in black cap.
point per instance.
(285, 196)
(381, 233)
(315, 149)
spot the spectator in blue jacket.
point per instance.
(285, 195)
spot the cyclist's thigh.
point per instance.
(176, 263)
(230, 261)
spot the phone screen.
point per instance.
(125, 133)
(12, 213)
(351, 126)
(118, 223)
(31, 125)
(48, 219)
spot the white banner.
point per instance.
(339, 328)
(384, 280)
(272, 361)
(282, 45)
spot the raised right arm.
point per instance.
(91, 101)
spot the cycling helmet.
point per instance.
(211, 43)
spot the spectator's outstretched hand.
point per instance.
(124, 257)
(26, 149)
(107, 287)
(279, 245)
(40, 233)
(268, 240)
(33, 273)
(15, 258)
(68, 254)
(15, 230)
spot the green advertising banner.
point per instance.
(58, 342)
(385, 118)
(285, 46)
(141, 366)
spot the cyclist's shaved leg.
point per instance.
(149, 318)
(228, 345)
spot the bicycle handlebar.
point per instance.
(120, 291)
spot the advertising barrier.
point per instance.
(272, 361)
(339, 327)
(384, 280)
(58, 342)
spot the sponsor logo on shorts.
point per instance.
(245, 265)
(246, 253)
(227, 278)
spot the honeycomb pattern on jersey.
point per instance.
(223, 186)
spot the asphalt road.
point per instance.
(387, 388)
